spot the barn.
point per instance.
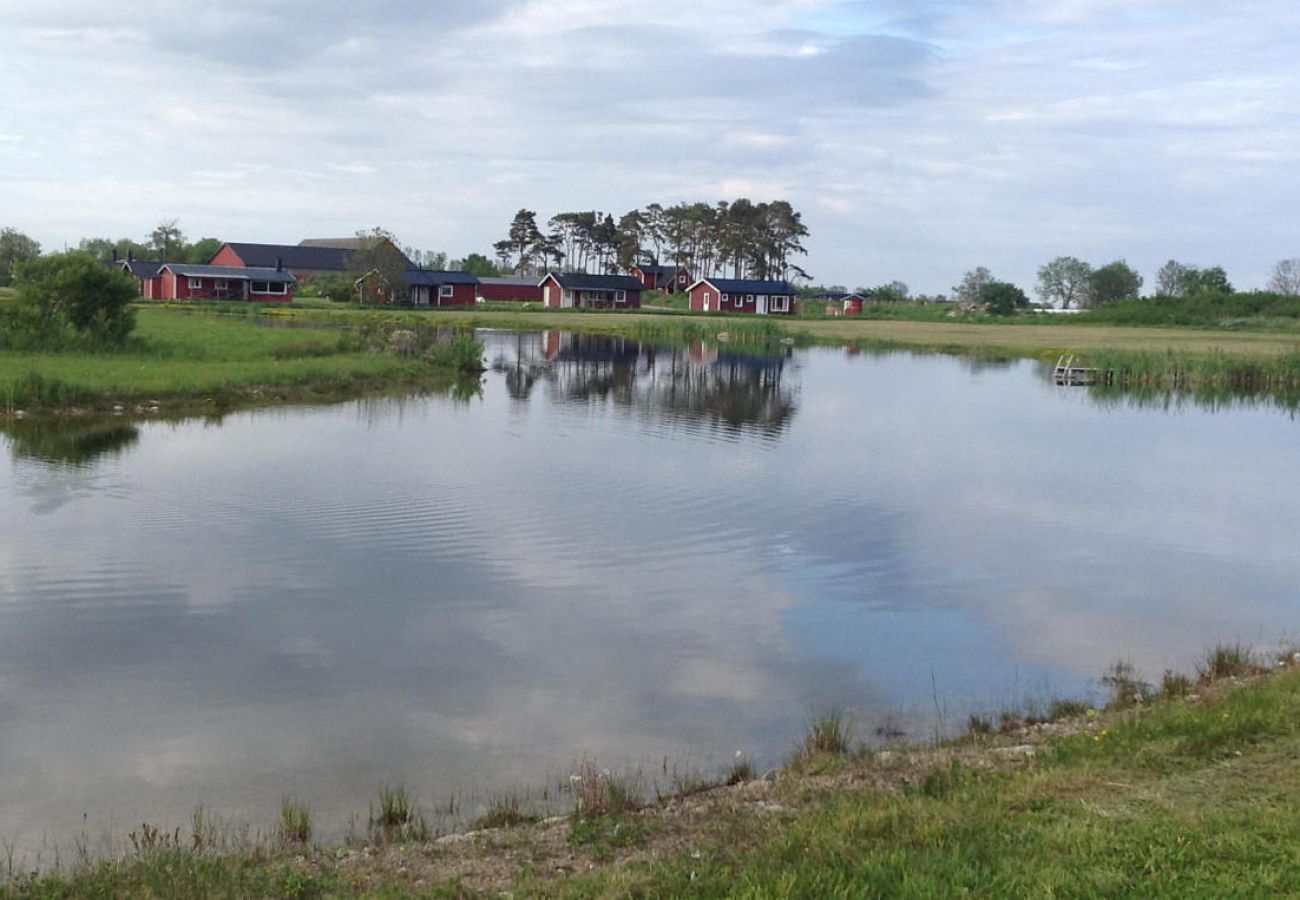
(740, 295)
(575, 291)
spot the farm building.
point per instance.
(179, 281)
(669, 279)
(305, 261)
(740, 295)
(567, 291)
(522, 290)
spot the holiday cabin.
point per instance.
(572, 291)
(441, 288)
(145, 274)
(838, 304)
(179, 281)
(498, 290)
(669, 279)
(739, 295)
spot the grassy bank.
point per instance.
(182, 361)
(1188, 789)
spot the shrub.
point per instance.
(70, 300)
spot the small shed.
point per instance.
(578, 291)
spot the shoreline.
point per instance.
(1205, 762)
(178, 371)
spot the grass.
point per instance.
(295, 821)
(183, 359)
(1198, 795)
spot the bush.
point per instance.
(69, 301)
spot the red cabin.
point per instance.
(841, 304)
(569, 291)
(669, 279)
(145, 274)
(185, 282)
(738, 295)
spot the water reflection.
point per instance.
(69, 442)
(731, 388)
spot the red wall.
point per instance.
(557, 292)
(173, 287)
(462, 295)
(525, 293)
(697, 298)
(226, 257)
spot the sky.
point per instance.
(918, 139)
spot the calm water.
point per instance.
(613, 550)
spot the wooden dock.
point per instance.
(1068, 374)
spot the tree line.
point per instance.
(737, 238)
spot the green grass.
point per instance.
(183, 358)
(1187, 799)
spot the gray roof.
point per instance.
(837, 295)
(437, 279)
(582, 282)
(748, 286)
(232, 273)
(510, 281)
(140, 268)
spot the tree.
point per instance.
(893, 292)
(1063, 282)
(1213, 280)
(378, 255)
(480, 265)
(1175, 279)
(1113, 281)
(15, 247)
(103, 249)
(971, 285)
(1001, 298)
(167, 241)
(202, 250)
(72, 298)
(1286, 277)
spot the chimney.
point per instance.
(279, 264)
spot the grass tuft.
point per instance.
(295, 821)
(1126, 688)
(506, 811)
(1228, 661)
(599, 792)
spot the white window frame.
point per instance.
(446, 290)
(779, 303)
(222, 284)
(707, 298)
(749, 298)
(620, 296)
(726, 298)
(196, 284)
(268, 287)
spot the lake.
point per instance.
(614, 550)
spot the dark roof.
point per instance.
(581, 282)
(659, 270)
(746, 286)
(330, 259)
(233, 273)
(140, 268)
(437, 279)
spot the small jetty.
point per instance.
(1069, 374)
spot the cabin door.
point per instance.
(760, 304)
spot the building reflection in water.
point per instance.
(737, 388)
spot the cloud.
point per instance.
(965, 132)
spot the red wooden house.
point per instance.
(569, 291)
(441, 288)
(180, 281)
(307, 260)
(669, 279)
(739, 295)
